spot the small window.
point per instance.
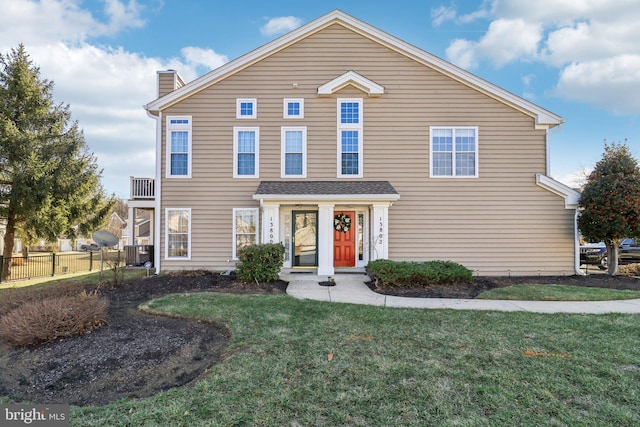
(294, 108)
(178, 233)
(178, 146)
(246, 108)
(454, 152)
(350, 140)
(246, 143)
(294, 152)
(245, 229)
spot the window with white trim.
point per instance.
(454, 151)
(350, 137)
(178, 146)
(293, 108)
(245, 229)
(293, 152)
(246, 108)
(178, 233)
(246, 145)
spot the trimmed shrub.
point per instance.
(260, 263)
(416, 274)
(46, 320)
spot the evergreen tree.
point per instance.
(49, 181)
(610, 201)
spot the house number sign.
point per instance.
(380, 231)
(270, 229)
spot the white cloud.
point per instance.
(122, 16)
(442, 14)
(105, 87)
(612, 83)
(593, 44)
(504, 42)
(485, 10)
(280, 25)
(198, 57)
(32, 22)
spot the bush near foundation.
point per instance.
(260, 263)
(405, 274)
(46, 320)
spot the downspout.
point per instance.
(157, 187)
(576, 256)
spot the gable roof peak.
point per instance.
(543, 117)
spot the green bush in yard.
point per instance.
(260, 263)
(415, 274)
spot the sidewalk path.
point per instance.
(351, 288)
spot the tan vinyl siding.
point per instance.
(499, 222)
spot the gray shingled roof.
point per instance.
(325, 188)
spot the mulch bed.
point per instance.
(139, 355)
(481, 284)
(134, 355)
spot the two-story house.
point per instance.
(347, 144)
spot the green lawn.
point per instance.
(396, 367)
(557, 293)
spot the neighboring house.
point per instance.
(116, 226)
(347, 145)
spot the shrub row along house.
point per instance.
(347, 145)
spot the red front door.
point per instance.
(344, 239)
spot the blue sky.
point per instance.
(577, 58)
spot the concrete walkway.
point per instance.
(351, 288)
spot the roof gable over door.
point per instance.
(543, 118)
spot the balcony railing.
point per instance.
(143, 188)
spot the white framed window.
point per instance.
(454, 151)
(350, 139)
(178, 147)
(293, 108)
(245, 228)
(246, 108)
(293, 152)
(177, 233)
(246, 151)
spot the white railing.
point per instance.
(142, 188)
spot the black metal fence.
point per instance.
(52, 264)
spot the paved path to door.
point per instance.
(351, 288)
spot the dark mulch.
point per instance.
(135, 355)
(481, 284)
(138, 355)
